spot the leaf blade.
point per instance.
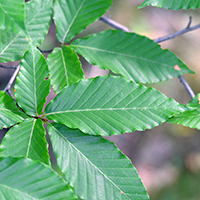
(23, 178)
(110, 105)
(76, 16)
(38, 18)
(172, 4)
(10, 113)
(65, 68)
(99, 164)
(12, 15)
(190, 117)
(136, 57)
(31, 85)
(26, 140)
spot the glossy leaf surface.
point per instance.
(110, 105)
(94, 166)
(12, 15)
(135, 57)
(10, 114)
(172, 4)
(38, 18)
(73, 16)
(190, 117)
(12, 46)
(31, 85)
(65, 68)
(23, 178)
(26, 140)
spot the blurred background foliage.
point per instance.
(167, 157)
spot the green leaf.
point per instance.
(26, 140)
(12, 15)
(9, 112)
(73, 16)
(191, 117)
(172, 4)
(135, 57)
(23, 178)
(12, 46)
(31, 85)
(110, 105)
(38, 18)
(65, 68)
(103, 171)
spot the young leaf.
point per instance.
(172, 4)
(10, 114)
(12, 46)
(26, 140)
(23, 178)
(31, 85)
(38, 18)
(73, 16)
(12, 15)
(110, 105)
(191, 117)
(65, 68)
(103, 171)
(135, 57)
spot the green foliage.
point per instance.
(89, 166)
(172, 4)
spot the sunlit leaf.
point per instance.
(110, 105)
(23, 178)
(135, 57)
(94, 166)
(191, 117)
(172, 4)
(26, 140)
(73, 16)
(10, 114)
(31, 85)
(65, 68)
(38, 18)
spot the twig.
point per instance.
(114, 24)
(8, 67)
(187, 86)
(8, 86)
(45, 51)
(188, 28)
(161, 39)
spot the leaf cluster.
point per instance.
(84, 110)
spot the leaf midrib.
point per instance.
(107, 109)
(88, 160)
(73, 20)
(122, 54)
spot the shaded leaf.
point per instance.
(31, 85)
(65, 68)
(12, 15)
(110, 105)
(10, 114)
(26, 140)
(135, 57)
(172, 4)
(190, 117)
(72, 17)
(23, 178)
(103, 171)
(12, 46)
(38, 18)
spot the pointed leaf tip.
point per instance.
(110, 105)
